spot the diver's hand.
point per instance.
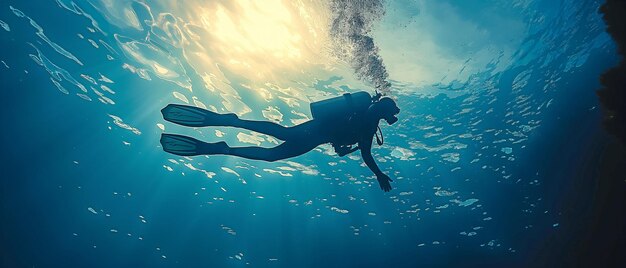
(383, 181)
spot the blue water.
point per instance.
(482, 157)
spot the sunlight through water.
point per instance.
(484, 87)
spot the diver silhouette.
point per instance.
(344, 121)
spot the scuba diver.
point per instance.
(344, 121)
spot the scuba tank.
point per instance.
(344, 107)
(341, 107)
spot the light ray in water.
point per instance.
(494, 95)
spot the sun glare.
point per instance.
(261, 28)
(261, 36)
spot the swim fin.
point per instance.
(195, 117)
(188, 146)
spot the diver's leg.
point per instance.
(197, 117)
(285, 150)
(265, 127)
(297, 132)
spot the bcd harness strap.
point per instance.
(380, 140)
(350, 102)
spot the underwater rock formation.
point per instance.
(612, 95)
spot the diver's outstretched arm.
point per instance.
(366, 152)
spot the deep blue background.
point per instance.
(45, 195)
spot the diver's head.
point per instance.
(387, 109)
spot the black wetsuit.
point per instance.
(299, 139)
(341, 131)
